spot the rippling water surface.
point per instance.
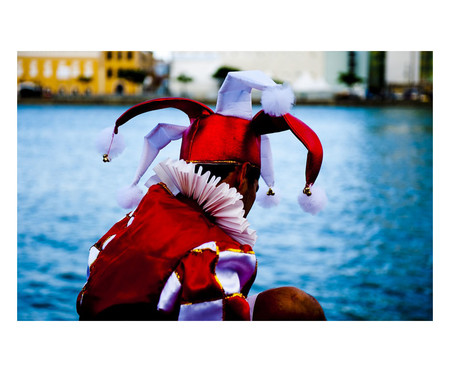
(367, 256)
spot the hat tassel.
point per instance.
(158, 138)
(270, 198)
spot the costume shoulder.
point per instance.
(137, 255)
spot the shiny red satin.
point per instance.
(136, 263)
(264, 124)
(218, 138)
(213, 138)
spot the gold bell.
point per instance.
(270, 192)
(307, 191)
(106, 158)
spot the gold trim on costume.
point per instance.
(235, 250)
(107, 241)
(220, 162)
(178, 276)
(214, 161)
(201, 250)
(163, 185)
(235, 295)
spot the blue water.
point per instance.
(367, 256)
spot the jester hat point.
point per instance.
(231, 134)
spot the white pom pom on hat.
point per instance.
(109, 144)
(268, 199)
(277, 100)
(314, 202)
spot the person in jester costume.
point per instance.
(185, 249)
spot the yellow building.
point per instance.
(84, 73)
(125, 71)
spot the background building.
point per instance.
(303, 70)
(314, 76)
(83, 73)
(126, 72)
(409, 74)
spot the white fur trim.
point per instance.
(103, 142)
(129, 196)
(277, 100)
(315, 202)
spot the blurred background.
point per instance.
(324, 77)
(367, 256)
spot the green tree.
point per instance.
(185, 80)
(222, 72)
(349, 78)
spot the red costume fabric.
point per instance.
(190, 257)
(167, 238)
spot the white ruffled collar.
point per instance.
(221, 202)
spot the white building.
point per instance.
(311, 74)
(402, 68)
